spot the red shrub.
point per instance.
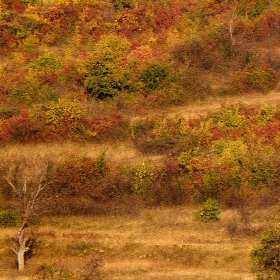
(268, 131)
(20, 129)
(268, 25)
(165, 16)
(109, 127)
(132, 20)
(18, 6)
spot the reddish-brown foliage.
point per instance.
(18, 6)
(109, 127)
(268, 25)
(20, 129)
(268, 131)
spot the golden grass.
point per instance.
(119, 152)
(159, 243)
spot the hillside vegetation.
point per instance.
(122, 105)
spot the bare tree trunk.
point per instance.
(27, 176)
(21, 247)
(231, 30)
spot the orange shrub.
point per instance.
(21, 128)
(253, 78)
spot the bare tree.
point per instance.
(28, 178)
(231, 28)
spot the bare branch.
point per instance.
(8, 180)
(27, 177)
(231, 25)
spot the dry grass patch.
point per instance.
(157, 243)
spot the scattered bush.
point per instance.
(8, 218)
(143, 180)
(92, 269)
(209, 212)
(153, 75)
(252, 78)
(266, 114)
(53, 272)
(266, 257)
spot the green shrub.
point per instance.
(184, 160)
(8, 218)
(104, 73)
(153, 75)
(122, 4)
(266, 114)
(47, 61)
(259, 8)
(230, 151)
(64, 109)
(266, 257)
(228, 117)
(104, 82)
(209, 212)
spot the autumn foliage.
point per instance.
(92, 71)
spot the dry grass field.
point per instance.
(154, 244)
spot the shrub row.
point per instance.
(61, 120)
(231, 173)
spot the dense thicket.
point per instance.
(77, 70)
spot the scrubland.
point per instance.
(126, 116)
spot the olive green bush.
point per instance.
(8, 218)
(153, 75)
(266, 257)
(104, 72)
(209, 212)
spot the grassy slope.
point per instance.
(120, 151)
(155, 244)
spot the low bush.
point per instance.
(53, 272)
(228, 117)
(22, 128)
(159, 135)
(209, 212)
(253, 78)
(8, 218)
(266, 257)
(153, 75)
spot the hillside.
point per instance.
(115, 108)
(69, 70)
